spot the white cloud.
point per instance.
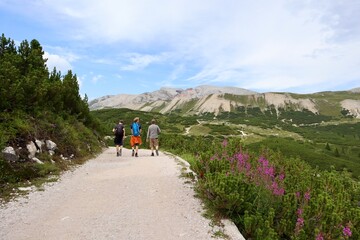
(265, 45)
(139, 61)
(60, 62)
(96, 78)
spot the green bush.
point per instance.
(270, 196)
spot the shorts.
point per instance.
(135, 141)
(154, 142)
(119, 140)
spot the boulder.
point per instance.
(39, 144)
(9, 154)
(50, 145)
(31, 147)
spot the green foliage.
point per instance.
(270, 196)
(36, 104)
(313, 154)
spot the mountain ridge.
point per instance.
(211, 99)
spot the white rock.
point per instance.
(9, 150)
(9, 154)
(40, 144)
(50, 145)
(37, 160)
(25, 188)
(32, 149)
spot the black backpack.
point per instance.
(119, 130)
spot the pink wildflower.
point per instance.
(279, 192)
(320, 237)
(347, 232)
(300, 222)
(299, 211)
(282, 176)
(307, 196)
(298, 195)
(224, 143)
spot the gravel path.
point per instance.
(111, 197)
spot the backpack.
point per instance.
(119, 130)
(135, 129)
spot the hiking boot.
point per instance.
(157, 152)
(117, 154)
(120, 152)
(152, 154)
(133, 152)
(136, 155)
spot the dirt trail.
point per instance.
(111, 197)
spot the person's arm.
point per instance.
(124, 132)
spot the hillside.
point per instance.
(45, 125)
(210, 99)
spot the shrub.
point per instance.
(270, 196)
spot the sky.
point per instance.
(137, 46)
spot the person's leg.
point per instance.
(132, 145)
(156, 143)
(117, 150)
(136, 149)
(152, 146)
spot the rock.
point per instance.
(40, 144)
(50, 145)
(9, 154)
(31, 147)
(25, 188)
(51, 152)
(9, 150)
(37, 160)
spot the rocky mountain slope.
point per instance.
(213, 99)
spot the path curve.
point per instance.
(111, 197)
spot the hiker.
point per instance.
(119, 132)
(135, 140)
(152, 136)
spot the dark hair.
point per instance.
(153, 121)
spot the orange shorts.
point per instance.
(135, 140)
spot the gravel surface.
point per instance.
(111, 197)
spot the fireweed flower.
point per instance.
(320, 237)
(298, 195)
(300, 222)
(347, 232)
(307, 195)
(224, 143)
(299, 211)
(282, 176)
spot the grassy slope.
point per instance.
(266, 129)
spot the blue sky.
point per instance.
(136, 46)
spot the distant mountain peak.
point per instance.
(355, 90)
